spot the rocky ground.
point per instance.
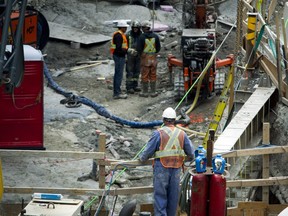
(75, 128)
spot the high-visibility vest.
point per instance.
(124, 43)
(171, 151)
(150, 46)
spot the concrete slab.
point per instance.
(67, 33)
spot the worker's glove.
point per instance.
(132, 52)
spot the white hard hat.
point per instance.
(169, 113)
(146, 24)
(122, 23)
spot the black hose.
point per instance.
(186, 119)
(98, 108)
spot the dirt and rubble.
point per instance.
(75, 128)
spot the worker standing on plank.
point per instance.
(169, 145)
(133, 59)
(148, 47)
(119, 47)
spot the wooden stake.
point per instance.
(265, 165)
(102, 148)
(102, 144)
(266, 133)
(277, 42)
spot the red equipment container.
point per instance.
(217, 205)
(21, 113)
(199, 195)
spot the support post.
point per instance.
(210, 147)
(265, 165)
(102, 143)
(102, 147)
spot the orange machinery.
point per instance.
(198, 43)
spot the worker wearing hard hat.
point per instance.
(168, 145)
(148, 47)
(119, 49)
(133, 59)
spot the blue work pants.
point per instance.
(166, 190)
(118, 74)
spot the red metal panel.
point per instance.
(217, 206)
(21, 113)
(199, 195)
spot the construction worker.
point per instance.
(148, 47)
(169, 145)
(133, 59)
(119, 47)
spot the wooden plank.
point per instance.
(270, 209)
(271, 70)
(134, 190)
(234, 212)
(252, 205)
(66, 191)
(271, 9)
(253, 208)
(225, 143)
(285, 101)
(147, 207)
(67, 33)
(79, 191)
(51, 154)
(278, 53)
(236, 153)
(282, 180)
(131, 163)
(138, 190)
(275, 209)
(256, 151)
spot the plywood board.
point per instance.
(242, 119)
(67, 33)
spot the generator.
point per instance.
(198, 46)
(198, 43)
(42, 207)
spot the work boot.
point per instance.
(137, 89)
(144, 92)
(120, 96)
(153, 92)
(130, 91)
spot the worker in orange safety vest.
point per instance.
(118, 49)
(168, 145)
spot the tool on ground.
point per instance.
(61, 72)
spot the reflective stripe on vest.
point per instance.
(124, 43)
(130, 41)
(149, 46)
(172, 147)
